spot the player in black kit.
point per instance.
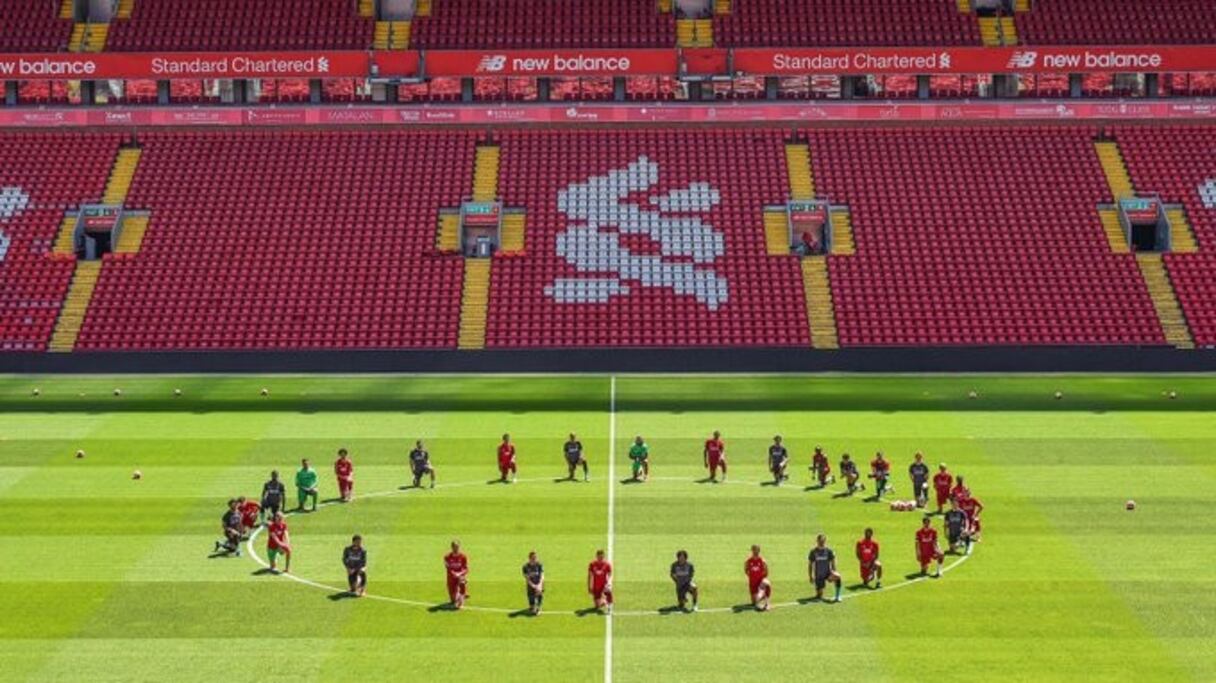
(573, 450)
(354, 558)
(682, 573)
(534, 580)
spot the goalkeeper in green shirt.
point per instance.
(306, 485)
(639, 454)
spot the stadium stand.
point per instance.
(977, 236)
(1101, 22)
(1177, 163)
(763, 23)
(33, 26)
(763, 304)
(455, 24)
(241, 25)
(42, 176)
(287, 240)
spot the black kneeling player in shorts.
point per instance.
(354, 558)
(848, 470)
(918, 472)
(534, 583)
(420, 464)
(778, 461)
(821, 566)
(233, 527)
(573, 450)
(274, 494)
(682, 573)
(956, 527)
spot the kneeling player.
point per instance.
(867, 555)
(457, 567)
(354, 558)
(956, 528)
(715, 457)
(274, 495)
(682, 573)
(506, 460)
(821, 567)
(972, 507)
(848, 470)
(880, 472)
(344, 470)
(778, 461)
(534, 583)
(233, 527)
(821, 468)
(926, 548)
(573, 450)
(758, 587)
(599, 582)
(639, 457)
(250, 511)
(278, 542)
(420, 464)
(918, 472)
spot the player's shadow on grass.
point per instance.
(917, 575)
(221, 553)
(629, 481)
(707, 480)
(565, 480)
(842, 494)
(672, 609)
(264, 571)
(743, 607)
(525, 612)
(442, 607)
(330, 501)
(490, 482)
(341, 595)
(587, 611)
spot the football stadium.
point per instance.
(607, 340)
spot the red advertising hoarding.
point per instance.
(958, 112)
(592, 62)
(179, 65)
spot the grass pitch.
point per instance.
(107, 578)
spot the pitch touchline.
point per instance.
(502, 610)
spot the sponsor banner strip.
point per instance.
(607, 62)
(592, 114)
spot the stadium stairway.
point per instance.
(1021, 5)
(798, 163)
(448, 239)
(475, 293)
(87, 37)
(964, 6)
(816, 285)
(997, 31)
(422, 8)
(1152, 268)
(67, 9)
(665, 6)
(722, 6)
(1182, 236)
(842, 232)
(776, 232)
(475, 297)
(1165, 300)
(75, 306)
(367, 9)
(694, 33)
(392, 35)
(65, 238)
(125, 8)
(514, 224)
(121, 175)
(1114, 231)
(131, 235)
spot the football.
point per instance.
(37, 391)
(1059, 395)
(79, 454)
(118, 392)
(265, 391)
(973, 394)
(137, 475)
(1131, 505)
(1173, 395)
(177, 392)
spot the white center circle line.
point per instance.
(502, 610)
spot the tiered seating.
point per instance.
(33, 26)
(502, 24)
(42, 175)
(1179, 163)
(764, 23)
(287, 240)
(760, 302)
(977, 236)
(241, 25)
(1101, 22)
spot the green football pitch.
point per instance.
(105, 577)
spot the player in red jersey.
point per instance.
(972, 507)
(278, 542)
(506, 459)
(599, 582)
(821, 469)
(758, 587)
(880, 472)
(960, 490)
(942, 481)
(457, 567)
(867, 555)
(715, 457)
(926, 547)
(344, 470)
(249, 510)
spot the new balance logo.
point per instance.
(492, 63)
(1023, 59)
(599, 216)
